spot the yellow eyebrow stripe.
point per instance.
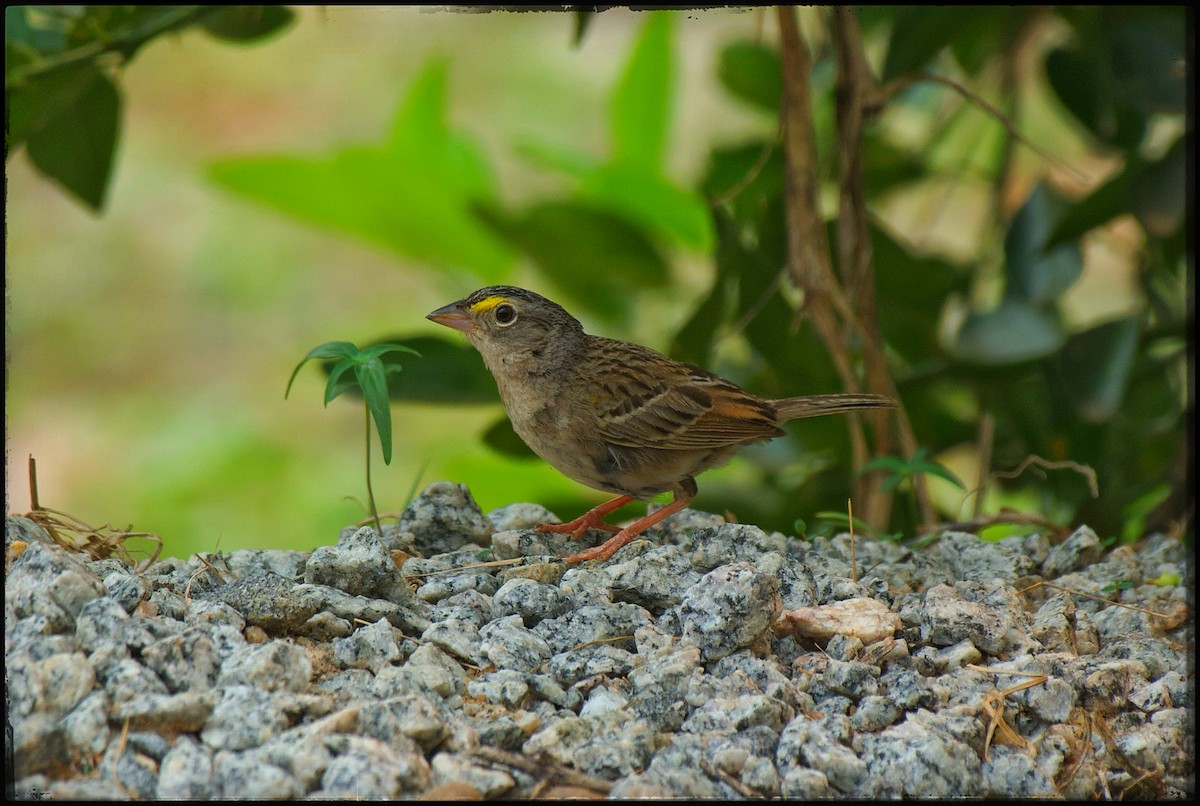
(486, 304)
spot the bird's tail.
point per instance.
(793, 408)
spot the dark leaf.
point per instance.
(1083, 82)
(247, 23)
(1093, 369)
(1150, 61)
(910, 290)
(1158, 192)
(583, 20)
(746, 177)
(1013, 333)
(1034, 275)
(593, 255)
(74, 143)
(752, 73)
(450, 371)
(1096, 209)
(501, 438)
(920, 33)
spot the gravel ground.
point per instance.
(457, 657)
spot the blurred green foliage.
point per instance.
(60, 88)
(964, 338)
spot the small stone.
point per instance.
(444, 517)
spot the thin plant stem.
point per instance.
(370, 492)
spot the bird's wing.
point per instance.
(648, 401)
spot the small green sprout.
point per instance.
(370, 376)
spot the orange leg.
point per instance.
(606, 550)
(592, 519)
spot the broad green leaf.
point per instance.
(932, 468)
(990, 32)
(412, 194)
(752, 72)
(745, 177)
(641, 103)
(1084, 83)
(909, 291)
(651, 201)
(552, 157)
(1149, 56)
(1032, 274)
(373, 381)
(920, 33)
(247, 23)
(1012, 333)
(595, 256)
(501, 438)
(1093, 369)
(694, 341)
(75, 142)
(450, 371)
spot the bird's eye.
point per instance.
(506, 314)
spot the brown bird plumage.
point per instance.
(614, 415)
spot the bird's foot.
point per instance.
(592, 519)
(609, 547)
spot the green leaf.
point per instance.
(641, 103)
(330, 349)
(752, 72)
(1012, 333)
(334, 386)
(414, 193)
(247, 23)
(1083, 82)
(920, 33)
(746, 177)
(372, 380)
(932, 468)
(1149, 57)
(843, 520)
(1158, 192)
(501, 438)
(908, 288)
(1034, 275)
(694, 340)
(69, 120)
(384, 348)
(651, 201)
(1096, 209)
(1093, 369)
(583, 20)
(593, 255)
(450, 371)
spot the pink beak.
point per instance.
(453, 316)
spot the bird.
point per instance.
(614, 415)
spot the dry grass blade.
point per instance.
(993, 704)
(1073, 592)
(542, 767)
(97, 542)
